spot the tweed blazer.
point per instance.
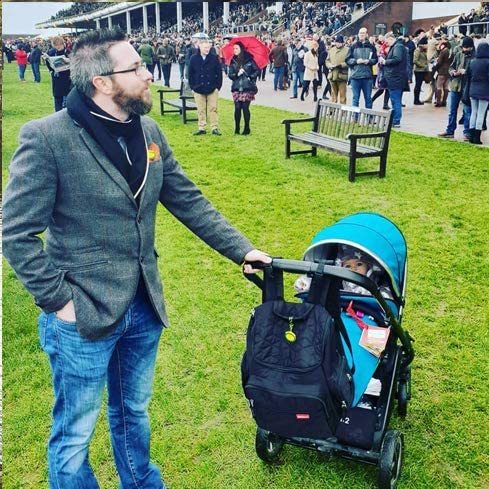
(98, 241)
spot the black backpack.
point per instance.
(294, 372)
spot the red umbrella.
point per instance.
(257, 49)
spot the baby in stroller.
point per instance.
(355, 260)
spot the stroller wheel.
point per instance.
(390, 461)
(268, 446)
(402, 399)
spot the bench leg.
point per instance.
(287, 147)
(314, 151)
(162, 110)
(352, 168)
(383, 166)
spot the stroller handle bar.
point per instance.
(327, 268)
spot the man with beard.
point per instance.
(91, 177)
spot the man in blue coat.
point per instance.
(396, 74)
(205, 79)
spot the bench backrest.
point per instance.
(337, 121)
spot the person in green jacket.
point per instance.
(421, 69)
(146, 52)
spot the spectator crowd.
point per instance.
(440, 69)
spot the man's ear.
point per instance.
(103, 84)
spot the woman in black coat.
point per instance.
(61, 81)
(478, 86)
(244, 72)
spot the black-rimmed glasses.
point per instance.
(139, 70)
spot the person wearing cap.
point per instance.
(443, 62)
(421, 70)
(395, 72)
(361, 57)
(456, 84)
(338, 70)
(205, 80)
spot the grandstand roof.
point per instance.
(80, 20)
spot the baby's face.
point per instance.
(356, 265)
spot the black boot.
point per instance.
(476, 138)
(246, 130)
(236, 127)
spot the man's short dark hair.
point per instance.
(90, 57)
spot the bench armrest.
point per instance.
(162, 92)
(291, 121)
(366, 136)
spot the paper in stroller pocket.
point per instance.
(365, 362)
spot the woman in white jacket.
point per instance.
(311, 72)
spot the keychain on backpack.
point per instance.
(290, 336)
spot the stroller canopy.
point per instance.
(372, 234)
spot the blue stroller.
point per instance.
(362, 263)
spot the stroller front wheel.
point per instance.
(268, 446)
(390, 461)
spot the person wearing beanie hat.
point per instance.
(467, 42)
(338, 70)
(458, 79)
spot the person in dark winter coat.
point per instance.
(35, 61)
(61, 81)
(244, 72)
(395, 72)
(205, 80)
(478, 79)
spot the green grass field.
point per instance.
(436, 191)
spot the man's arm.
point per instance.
(28, 206)
(186, 202)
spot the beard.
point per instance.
(129, 104)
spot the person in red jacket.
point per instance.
(21, 57)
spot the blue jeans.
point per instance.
(21, 71)
(59, 103)
(278, 77)
(396, 100)
(478, 114)
(454, 99)
(124, 361)
(36, 72)
(296, 77)
(362, 85)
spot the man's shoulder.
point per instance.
(57, 123)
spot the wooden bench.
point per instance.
(184, 103)
(359, 133)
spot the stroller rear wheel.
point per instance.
(402, 399)
(390, 461)
(268, 446)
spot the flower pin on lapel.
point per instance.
(153, 152)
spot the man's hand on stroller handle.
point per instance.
(254, 256)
